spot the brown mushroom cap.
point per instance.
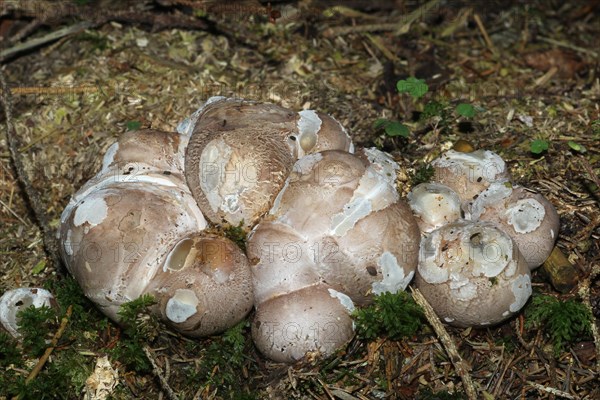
(313, 319)
(528, 217)
(241, 152)
(472, 274)
(468, 174)
(204, 286)
(146, 149)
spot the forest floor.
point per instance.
(531, 69)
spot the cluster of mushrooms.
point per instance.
(326, 229)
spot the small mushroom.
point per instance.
(315, 319)
(528, 217)
(472, 274)
(468, 174)
(204, 287)
(241, 152)
(434, 205)
(16, 300)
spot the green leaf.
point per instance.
(466, 110)
(380, 122)
(39, 267)
(133, 125)
(413, 86)
(538, 146)
(395, 128)
(576, 146)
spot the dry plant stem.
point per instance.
(44, 39)
(483, 31)
(400, 28)
(448, 344)
(161, 378)
(553, 391)
(44, 358)
(32, 197)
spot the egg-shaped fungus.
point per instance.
(528, 217)
(472, 274)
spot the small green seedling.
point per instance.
(133, 125)
(417, 88)
(465, 110)
(538, 146)
(392, 128)
(576, 146)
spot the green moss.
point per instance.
(564, 322)
(422, 174)
(9, 352)
(140, 328)
(237, 235)
(394, 315)
(36, 325)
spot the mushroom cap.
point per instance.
(114, 238)
(468, 174)
(280, 261)
(146, 149)
(339, 220)
(204, 286)
(528, 217)
(241, 152)
(472, 274)
(16, 300)
(313, 319)
(434, 205)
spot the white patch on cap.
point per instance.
(521, 288)
(213, 164)
(430, 255)
(109, 156)
(376, 190)
(92, 211)
(526, 215)
(491, 197)
(68, 244)
(483, 164)
(490, 249)
(309, 125)
(448, 319)
(462, 288)
(181, 306)
(394, 279)
(343, 298)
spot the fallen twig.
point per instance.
(35, 42)
(553, 391)
(159, 374)
(44, 358)
(448, 344)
